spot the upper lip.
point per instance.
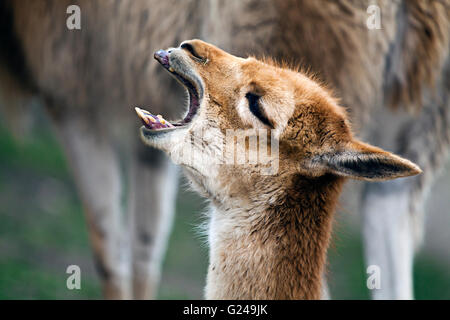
(163, 57)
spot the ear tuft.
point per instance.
(362, 161)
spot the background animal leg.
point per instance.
(152, 203)
(389, 236)
(97, 175)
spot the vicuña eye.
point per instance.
(253, 103)
(188, 47)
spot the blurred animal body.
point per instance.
(268, 231)
(394, 82)
(88, 80)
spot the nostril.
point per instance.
(162, 56)
(160, 53)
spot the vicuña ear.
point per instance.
(362, 161)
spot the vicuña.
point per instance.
(268, 233)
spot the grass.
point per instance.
(43, 230)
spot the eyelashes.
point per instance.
(188, 47)
(253, 103)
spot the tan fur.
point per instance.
(393, 82)
(269, 233)
(105, 69)
(395, 65)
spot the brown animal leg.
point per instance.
(152, 199)
(97, 175)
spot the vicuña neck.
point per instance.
(275, 252)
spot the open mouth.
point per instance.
(152, 122)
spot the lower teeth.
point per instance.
(151, 121)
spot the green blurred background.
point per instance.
(42, 231)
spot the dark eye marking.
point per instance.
(188, 47)
(253, 103)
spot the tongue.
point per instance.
(152, 122)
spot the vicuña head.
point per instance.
(269, 230)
